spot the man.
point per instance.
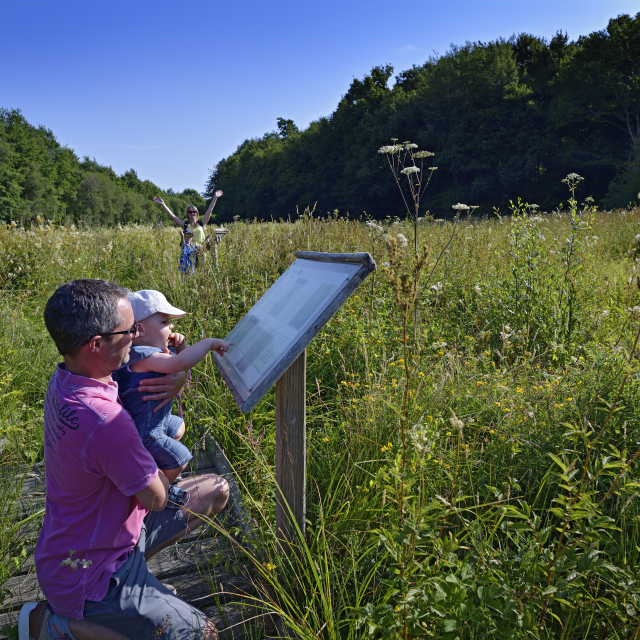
(107, 508)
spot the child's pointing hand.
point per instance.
(220, 346)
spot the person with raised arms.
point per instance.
(192, 224)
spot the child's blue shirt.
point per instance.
(150, 425)
(188, 255)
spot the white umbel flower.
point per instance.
(409, 170)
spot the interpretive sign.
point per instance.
(269, 347)
(285, 320)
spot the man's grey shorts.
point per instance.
(137, 604)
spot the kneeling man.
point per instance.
(107, 507)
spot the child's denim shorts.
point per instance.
(167, 452)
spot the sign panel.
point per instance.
(287, 317)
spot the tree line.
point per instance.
(505, 119)
(40, 177)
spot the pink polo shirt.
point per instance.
(95, 463)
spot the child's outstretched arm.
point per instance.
(207, 215)
(187, 358)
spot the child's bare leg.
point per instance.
(179, 433)
(172, 474)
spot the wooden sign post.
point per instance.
(291, 447)
(269, 347)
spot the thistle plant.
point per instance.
(402, 161)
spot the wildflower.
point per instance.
(436, 287)
(460, 207)
(411, 145)
(73, 564)
(270, 567)
(373, 225)
(572, 179)
(588, 199)
(402, 241)
(392, 148)
(534, 206)
(478, 289)
(423, 154)
(433, 168)
(635, 312)
(325, 439)
(408, 170)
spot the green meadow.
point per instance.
(472, 414)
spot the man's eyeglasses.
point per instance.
(133, 331)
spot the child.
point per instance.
(188, 253)
(150, 357)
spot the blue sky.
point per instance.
(170, 88)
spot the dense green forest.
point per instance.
(505, 119)
(40, 177)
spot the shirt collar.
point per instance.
(90, 385)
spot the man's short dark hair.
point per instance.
(81, 309)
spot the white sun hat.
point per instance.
(147, 302)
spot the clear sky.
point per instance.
(170, 88)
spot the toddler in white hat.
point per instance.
(157, 350)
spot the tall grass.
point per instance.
(511, 509)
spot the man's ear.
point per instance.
(94, 345)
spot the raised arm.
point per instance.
(170, 213)
(189, 357)
(212, 204)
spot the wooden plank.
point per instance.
(235, 621)
(22, 589)
(291, 448)
(205, 586)
(212, 459)
(360, 258)
(10, 619)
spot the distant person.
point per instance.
(150, 357)
(188, 253)
(107, 509)
(193, 224)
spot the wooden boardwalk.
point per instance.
(205, 568)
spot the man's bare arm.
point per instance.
(154, 497)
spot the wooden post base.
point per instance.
(291, 444)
